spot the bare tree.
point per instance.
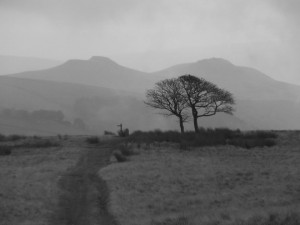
(168, 96)
(205, 98)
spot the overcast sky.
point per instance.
(152, 34)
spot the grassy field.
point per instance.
(28, 180)
(206, 185)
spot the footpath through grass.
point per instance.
(84, 195)
(42, 183)
(28, 179)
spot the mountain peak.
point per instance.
(101, 59)
(214, 60)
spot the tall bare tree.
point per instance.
(168, 96)
(205, 98)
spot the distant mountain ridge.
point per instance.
(243, 82)
(262, 102)
(97, 71)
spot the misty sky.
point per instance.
(152, 34)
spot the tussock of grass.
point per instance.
(272, 219)
(127, 149)
(5, 150)
(109, 133)
(211, 185)
(208, 137)
(29, 191)
(119, 156)
(12, 137)
(181, 220)
(38, 143)
(93, 140)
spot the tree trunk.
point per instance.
(181, 124)
(195, 117)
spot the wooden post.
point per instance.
(120, 125)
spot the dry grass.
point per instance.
(209, 185)
(28, 178)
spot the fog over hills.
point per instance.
(104, 93)
(97, 71)
(17, 64)
(243, 82)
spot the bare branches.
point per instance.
(168, 95)
(176, 95)
(205, 98)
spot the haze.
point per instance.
(150, 35)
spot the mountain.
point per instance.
(262, 102)
(244, 82)
(100, 108)
(17, 64)
(97, 71)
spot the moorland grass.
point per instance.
(28, 177)
(37, 143)
(93, 140)
(208, 137)
(209, 185)
(5, 150)
(12, 137)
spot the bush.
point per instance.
(208, 137)
(120, 157)
(38, 143)
(12, 137)
(2, 137)
(272, 219)
(123, 133)
(93, 140)
(126, 150)
(181, 220)
(109, 133)
(15, 137)
(5, 150)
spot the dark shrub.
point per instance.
(38, 143)
(5, 150)
(109, 133)
(123, 133)
(93, 140)
(208, 137)
(126, 150)
(2, 137)
(272, 219)
(120, 157)
(181, 220)
(15, 137)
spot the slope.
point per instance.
(100, 108)
(255, 92)
(261, 101)
(243, 82)
(97, 71)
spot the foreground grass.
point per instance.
(208, 185)
(28, 178)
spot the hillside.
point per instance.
(100, 108)
(262, 102)
(244, 82)
(17, 64)
(97, 71)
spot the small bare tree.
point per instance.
(205, 98)
(168, 96)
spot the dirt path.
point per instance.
(84, 196)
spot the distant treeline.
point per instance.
(41, 115)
